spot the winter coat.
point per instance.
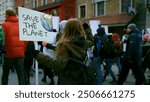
(76, 49)
(134, 48)
(13, 46)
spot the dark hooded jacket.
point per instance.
(99, 38)
(134, 46)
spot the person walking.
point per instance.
(146, 52)
(72, 45)
(15, 49)
(28, 61)
(132, 58)
(118, 48)
(99, 38)
(108, 54)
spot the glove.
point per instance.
(35, 53)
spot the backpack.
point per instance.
(97, 45)
(107, 50)
(83, 72)
(88, 74)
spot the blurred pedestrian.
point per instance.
(2, 42)
(132, 58)
(28, 61)
(15, 49)
(98, 40)
(118, 48)
(108, 54)
(146, 52)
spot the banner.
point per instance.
(37, 26)
(94, 26)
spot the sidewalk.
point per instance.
(13, 78)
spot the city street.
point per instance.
(13, 78)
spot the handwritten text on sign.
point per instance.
(36, 26)
(31, 23)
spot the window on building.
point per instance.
(82, 11)
(100, 8)
(125, 4)
(35, 3)
(44, 2)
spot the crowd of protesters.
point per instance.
(130, 51)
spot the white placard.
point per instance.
(37, 26)
(94, 25)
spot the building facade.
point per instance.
(65, 9)
(111, 13)
(116, 14)
(28, 4)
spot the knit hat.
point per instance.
(132, 26)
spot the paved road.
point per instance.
(13, 78)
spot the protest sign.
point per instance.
(94, 26)
(37, 26)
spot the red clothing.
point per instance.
(13, 46)
(115, 37)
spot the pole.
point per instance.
(36, 67)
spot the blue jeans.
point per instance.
(108, 69)
(117, 61)
(97, 62)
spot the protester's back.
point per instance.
(15, 49)
(117, 44)
(108, 49)
(99, 38)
